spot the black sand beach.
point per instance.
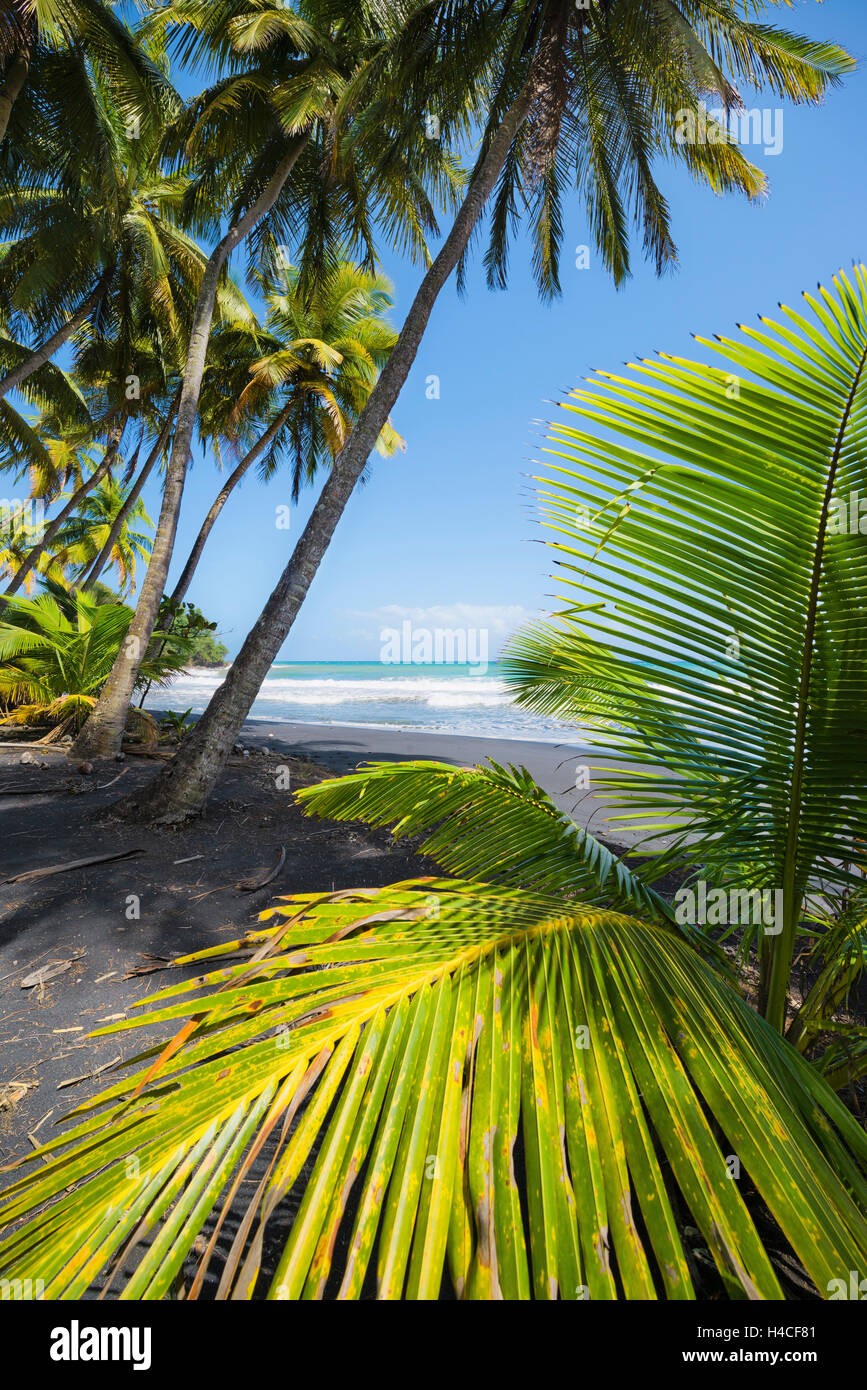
(107, 930)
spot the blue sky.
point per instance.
(444, 534)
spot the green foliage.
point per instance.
(525, 1094)
(175, 724)
(189, 625)
(712, 620)
(83, 536)
(312, 366)
(56, 652)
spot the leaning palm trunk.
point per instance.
(186, 579)
(42, 354)
(103, 731)
(33, 556)
(134, 494)
(16, 76)
(184, 785)
(219, 502)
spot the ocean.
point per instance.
(446, 699)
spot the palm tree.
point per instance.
(290, 86)
(599, 91)
(56, 651)
(45, 53)
(131, 501)
(103, 247)
(64, 70)
(85, 535)
(308, 376)
(113, 437)
(124, 216)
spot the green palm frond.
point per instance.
(713, 593)
(57, 649)
(526, 1094)
(488, 823)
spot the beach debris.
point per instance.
(101, 786)
(85, 769)
(250, 885)
(97, 1071)
(31, 1135)
(189, 859)
(120, 757)
(12, 1092)
(27, 758)
(99, 979)
(20, 789)
(71, 864)
(157, 963)
(49, 971)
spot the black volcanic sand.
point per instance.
(53, 814)
(82, 914)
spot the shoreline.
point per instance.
(342, 748)
(553, 765)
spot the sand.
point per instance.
(177, 893)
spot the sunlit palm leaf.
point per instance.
(488, 823)
(714, 600)
(515, 1089)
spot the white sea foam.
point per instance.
(444, 703)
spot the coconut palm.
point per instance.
(305, 379)
(69, 66)
(83, 538)
(47, 52)
(594, 93)
(737, 710)
(255, 127)
(56, 651)
(129, 361)
(101, 248)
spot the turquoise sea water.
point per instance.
(450, 699)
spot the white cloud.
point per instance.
(499, 620)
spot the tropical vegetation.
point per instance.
(536, 1077)
(56, 651)
(549, 1072)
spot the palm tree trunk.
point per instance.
(33, 556)
(132, 497)
(102, 733)
(10, 90)
(179, 592)
(219, 502)
(183, 786)
(46, 350)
